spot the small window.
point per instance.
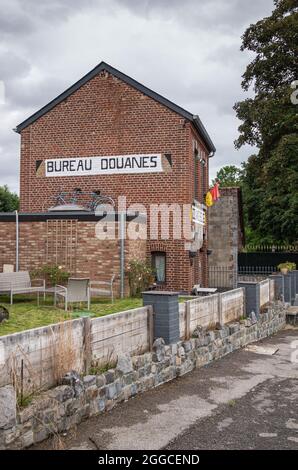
(159, 266)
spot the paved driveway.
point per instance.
(243, 401)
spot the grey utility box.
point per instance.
(279, 286)
(295, 271)
(287, 287)
(166, 314)
(252, 297)
(292, 275)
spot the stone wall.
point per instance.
(226, 237)
(79, 398)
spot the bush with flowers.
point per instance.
(52, 273)
(140, 277)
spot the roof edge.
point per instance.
(130, 81)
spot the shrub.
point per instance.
(287, 265)
(53, 274)
(140, 276)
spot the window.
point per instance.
(159, 266)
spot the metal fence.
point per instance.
(222, 277)
(257, 270)
(225, 277)
(271, 248)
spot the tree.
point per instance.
(229, 175)
(270, 122)
(9, 201)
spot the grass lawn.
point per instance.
(24, 314)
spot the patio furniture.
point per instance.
(8, 268)
(77, 290)
(197, 290)
(103, 288)
(20, 283)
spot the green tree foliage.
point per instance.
(9, 201)
(228, 176)
(270, 122)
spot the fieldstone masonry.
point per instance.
(78, 398)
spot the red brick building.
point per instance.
(107, 114)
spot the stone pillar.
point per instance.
(252, 297)
(166, 314)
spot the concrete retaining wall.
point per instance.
(78, 398)
(46, 354)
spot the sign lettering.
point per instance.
(104, 165)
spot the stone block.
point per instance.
(124, 364)
(62, 393)
(100, 380)
(89, 380)
(7, 407)
(110, 376)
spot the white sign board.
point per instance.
(110, 165)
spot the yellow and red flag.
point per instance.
(215, 192)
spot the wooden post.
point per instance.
(86, 344)
(187, 319)
(150, 327)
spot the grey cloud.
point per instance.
(22, 96)
(13, 66)
(209, 14)
(186, 50)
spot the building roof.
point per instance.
(130, 81)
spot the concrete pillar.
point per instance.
(293, 286)
(252, 297)
(279, 285)
(295, 271)
(166, 314)
(287, 287)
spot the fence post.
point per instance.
(187, 320)
(220, 318)
(150, 327)
(86, 344)
(244, 302)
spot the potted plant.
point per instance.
(284, 268)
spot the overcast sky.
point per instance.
(186, 50)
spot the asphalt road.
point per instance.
(243, 401)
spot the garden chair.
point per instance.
(103, 288)
(77, 290)
(20, 283)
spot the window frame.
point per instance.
(153, 256)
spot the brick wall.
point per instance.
(91, 257)
(108, 117)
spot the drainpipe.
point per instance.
(122, 218)
(17, 241)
